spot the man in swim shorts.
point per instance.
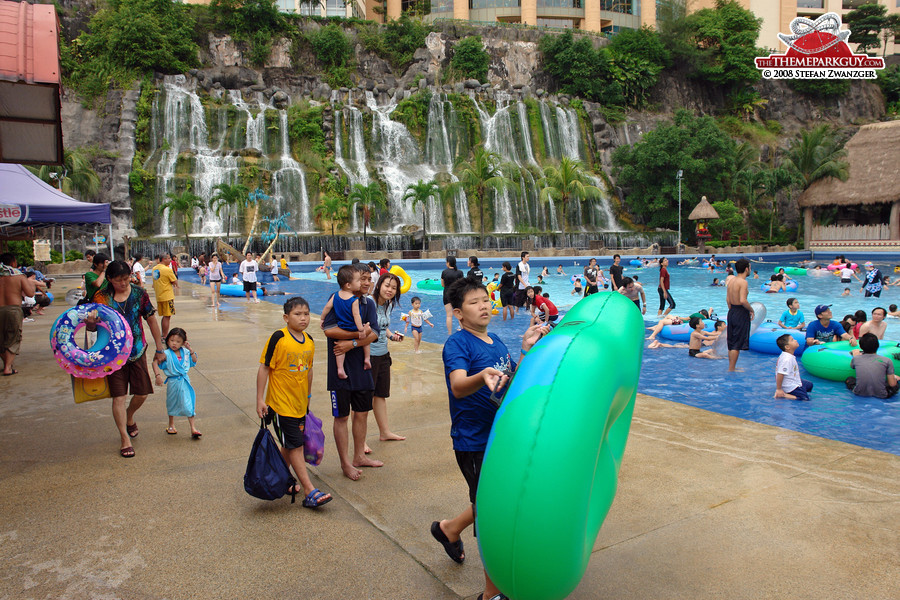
(13, 287)
(740, 313)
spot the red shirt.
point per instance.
(540, 301)
(664, 278)
(383, 271)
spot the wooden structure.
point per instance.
(873, 156)
(702, 213)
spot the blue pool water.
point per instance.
(670, 374)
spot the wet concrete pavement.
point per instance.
(708, 506)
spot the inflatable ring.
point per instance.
(232, 289)
(790, 286)
(430, 284)
(791, 270)
(833, 267)
(406, 280)
(682, 332)
(832, 360)
(536, 447)
(636, 263)
(764, 339)
(107, 355)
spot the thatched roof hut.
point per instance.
(703, 211)
(874, 157)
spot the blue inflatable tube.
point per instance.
(682, 333)
(636, 263)
(234, 289)
(763, 340)
(790, 286)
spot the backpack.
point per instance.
(268, 476)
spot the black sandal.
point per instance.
(453, 549)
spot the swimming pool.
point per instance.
(670, 374)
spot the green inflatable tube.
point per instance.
(832, 360)
(430, 284)
(790, 270)
(551, 466)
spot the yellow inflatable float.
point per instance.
(405, 280)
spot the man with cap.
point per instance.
(873, 281)
(823, 329)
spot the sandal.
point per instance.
(316, 498)
(132, 430)
(453, 549)
(196, 435)
(169, 430)
(127, 452)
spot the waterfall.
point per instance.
(525, 128)
(569, 133)
(551, 135)
(354, 161)
(289, 182)
(256, 125)
(440, 151)
(399, 163)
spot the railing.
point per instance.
(508, 25)
(851, 232)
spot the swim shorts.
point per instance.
(249, 286)
(693, 353)
(470, 466)
(165, 308)
(506, 298)
(738, 328)
(11, 318)
(343, 400)
(132, 378)
(381, 374)
(416, 328)
(288, 430)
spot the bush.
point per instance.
(396, 41)
(642, 43)
(580, 70)
(470, 59)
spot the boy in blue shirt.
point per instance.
(792, 318)
(475, 363)
(825, 330)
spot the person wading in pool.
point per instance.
(740, 313)
(824, 330)
(876, 325)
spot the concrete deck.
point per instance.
(708, 506)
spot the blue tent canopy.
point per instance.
(26, 201)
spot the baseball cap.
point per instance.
(822, 308)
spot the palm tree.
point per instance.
(75, 176)
(253, 198)
(184, 204)
(332, 209)
(420, 193)
(231, 197)
(480, 175)
(367, 197)
(817, 154)
(565, 184)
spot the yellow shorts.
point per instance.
(166, 308)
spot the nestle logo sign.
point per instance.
(10, 214)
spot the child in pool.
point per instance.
(559, 270)
(414, 319)
(846, 292)
(346, 307)
(175, 362)
(787, 374)
(576, 289)
(892, 311)
(698, 336)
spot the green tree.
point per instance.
(419, 193)
(731, 221)
(720, 43)
(481, 174)
(565, 184)
(75, 177)
(334, 210)
(646, 171)
(334, 50)
(367, 198)
(643, 43)
(230, 197)
(184, 205)
(580, 70)
(815, 154)
(470, 59)
(865, 24)
(891, 30)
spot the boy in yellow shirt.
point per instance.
(164, 284)
(286, 365)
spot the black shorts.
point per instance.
(342, 401)
(692, 353)
(506, 298)
(288, 430)
(381, 374)
(738, 330)
(590, 289)
(249, 286)
(133, 375)
(519, 298)
(470, 466)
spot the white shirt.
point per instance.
(846, 273)
(524, 270)
(195, 262)
(248, 270)
(787, 366)
(274, 265)
(138, 269)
